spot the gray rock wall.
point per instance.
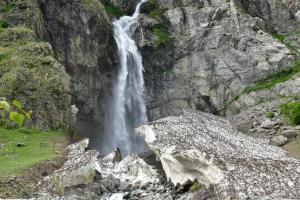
(216, 50)
(82, 38)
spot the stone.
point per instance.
(79, 168)
(268, 124)
(278, 140)
(114, 156)
(290, 134)
(205, 147)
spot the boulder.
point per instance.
(132, 169)
(79, 168)
(205, 147)
(268, 124)
(278, 140)
(114, 156)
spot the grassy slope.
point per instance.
(40, 146)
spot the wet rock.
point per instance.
(206, 147)
(114, 156)
(278, 140)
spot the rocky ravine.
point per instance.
(202, 156)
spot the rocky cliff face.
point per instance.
(81, 35)
(214, 50)
(29, 71)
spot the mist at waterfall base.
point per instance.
(126, 108)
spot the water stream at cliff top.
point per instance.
(127, 108)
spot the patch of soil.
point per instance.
(293, 149)
(26, 186)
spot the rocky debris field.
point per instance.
(196, 156)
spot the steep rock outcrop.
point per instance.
(28, 70)
(81, 35)
(215, 50)
(205, 147)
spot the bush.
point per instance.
(13, 112)
(4, 24)
(291, 111)
(8, 7)
(270, 115)
(112, 10)
(162, 36)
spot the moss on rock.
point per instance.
(30, 73)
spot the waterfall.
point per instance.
(126, 108)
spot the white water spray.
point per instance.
(127, 108)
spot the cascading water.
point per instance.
(127, 108)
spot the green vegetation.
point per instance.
(8, 7)
(291, 111)
(274, 79)
(279, 37)
(196, 186)
(283, 40)
(4, 24)
(161, 29)
(112, 10)
(16, 113)
(270, 115)
(23, 148)
(267, 83)
(162, 35)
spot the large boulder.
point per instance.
(79, 168)
(205, 147)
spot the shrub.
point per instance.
(8, 7)
(4, 24)
(15, 111)
(162, 36)
(291, 111)
(270, 115)
(112, 10)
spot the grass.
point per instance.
(40, 146)
(267, 83)
(291, 111)
(274, 79)
(283, 40)
(279, 37)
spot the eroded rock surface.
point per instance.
(195, 144)
(216, 49)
